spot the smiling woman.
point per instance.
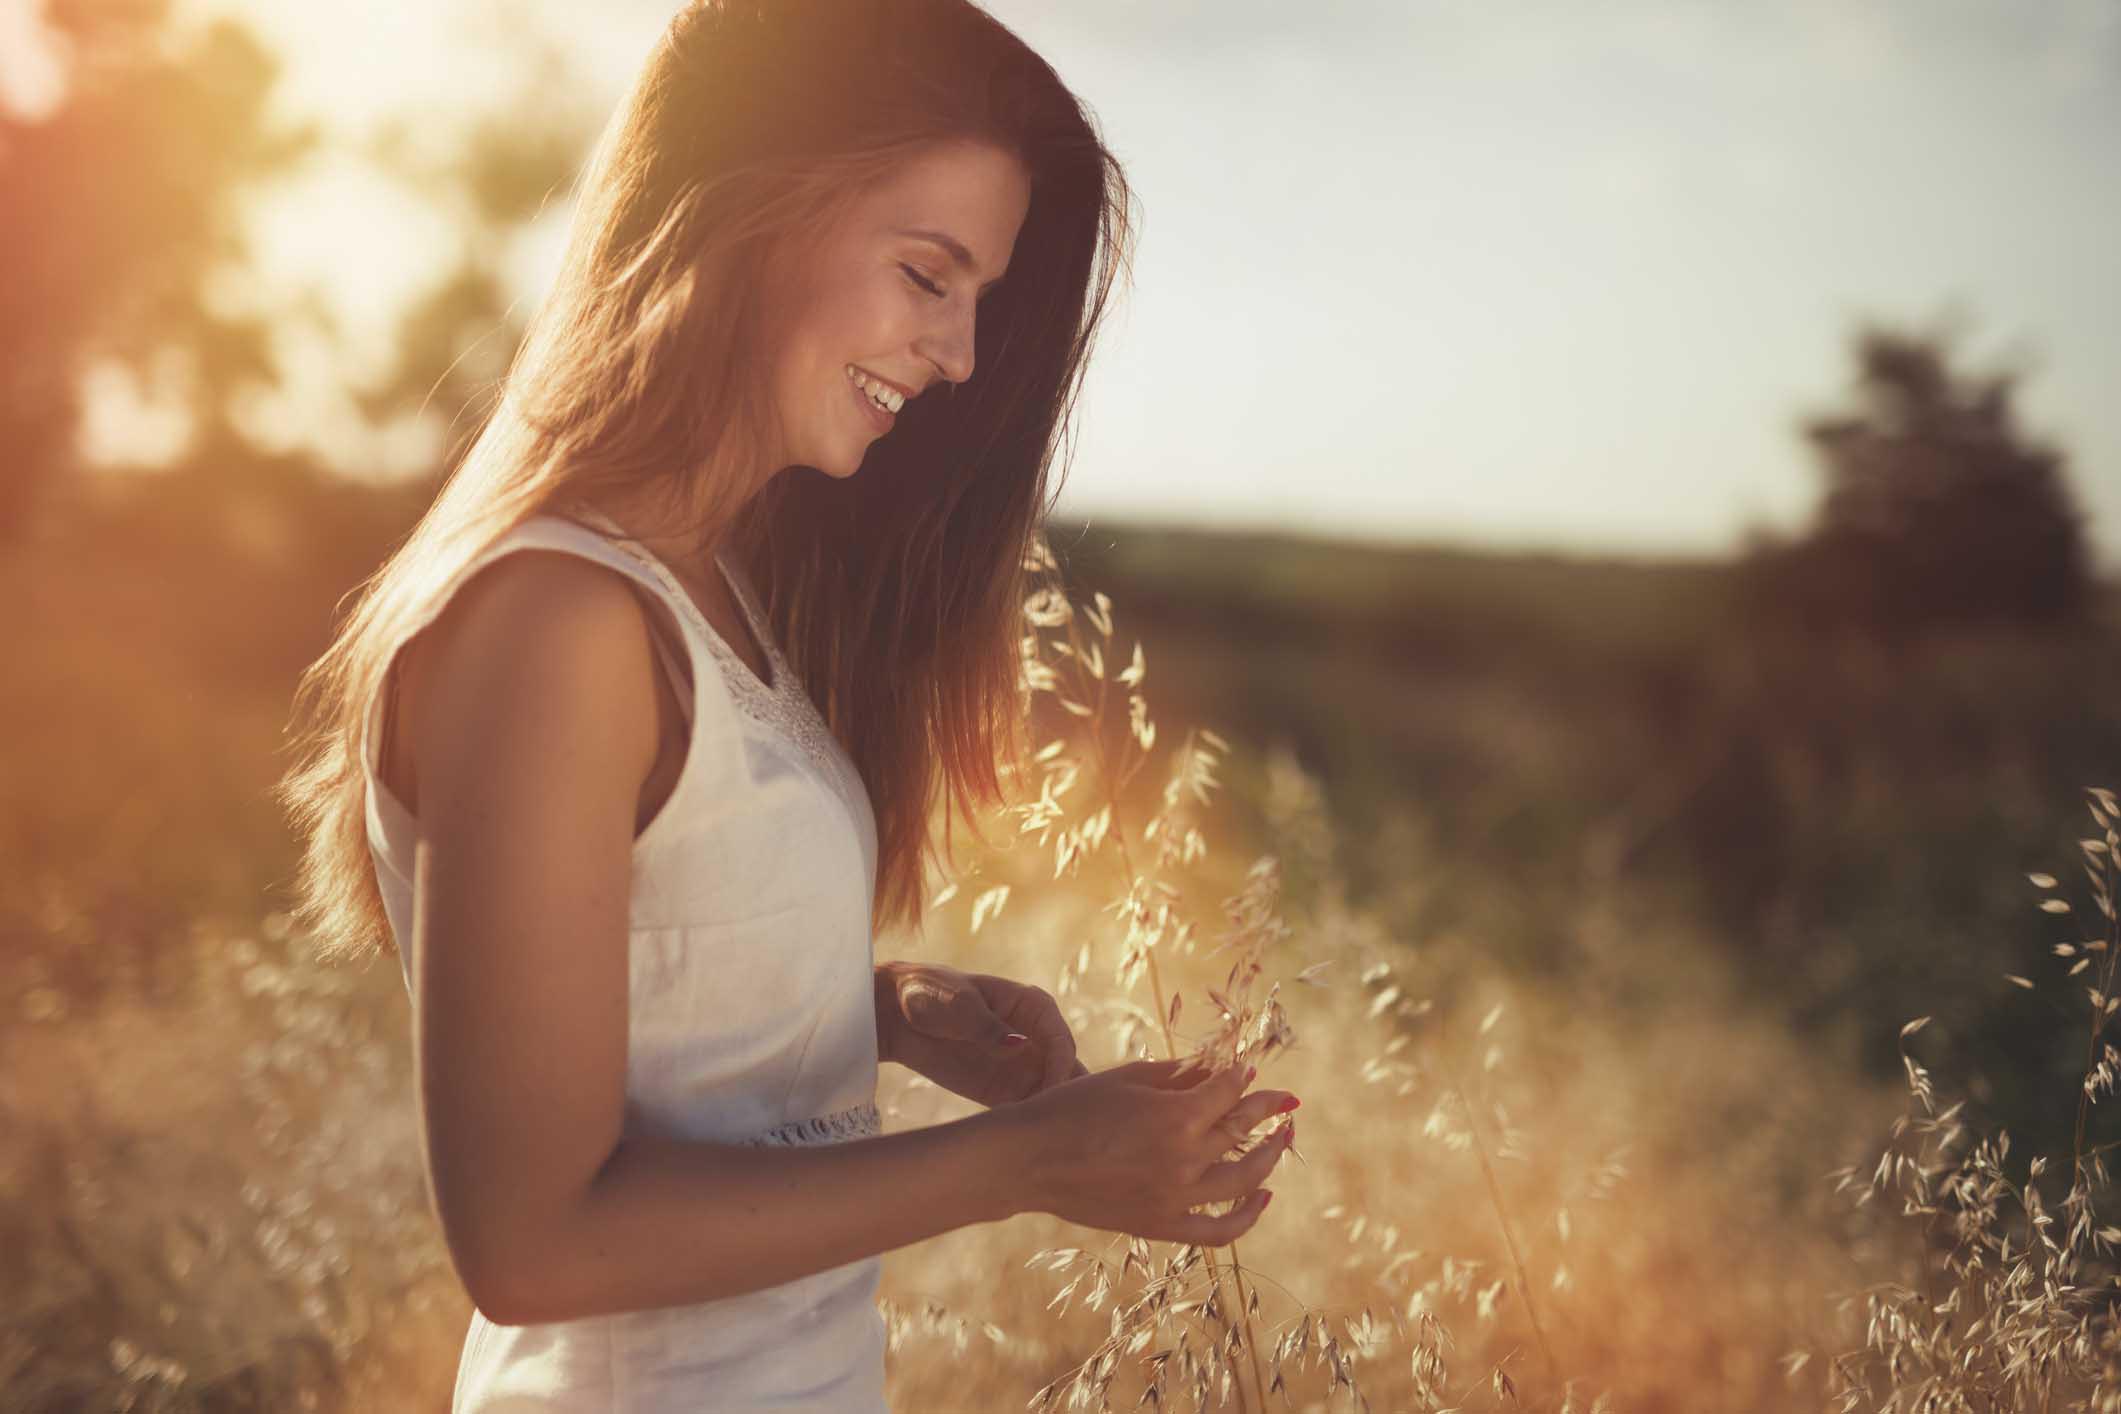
(632, 747)
(888, 310)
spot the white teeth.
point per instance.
(890, 399)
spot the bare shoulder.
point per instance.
(540, 662)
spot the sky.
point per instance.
(1523, 273)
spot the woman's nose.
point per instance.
(949, 344)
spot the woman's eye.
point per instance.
(923, 281)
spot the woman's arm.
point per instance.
(533, 726)
(671, 1221)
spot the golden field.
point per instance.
(1567, 1136)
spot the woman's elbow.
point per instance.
(515, 1293)
(524, 1253)
(514, 1278)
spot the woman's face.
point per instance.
(887, 301)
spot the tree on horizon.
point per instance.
(1937, 508)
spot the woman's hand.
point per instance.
(1134, 1148)
(952, 1026)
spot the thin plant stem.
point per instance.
(1502, 1216)
(1118, 834)
(1244, 1314)
(2099, 1014)
(2105, 887)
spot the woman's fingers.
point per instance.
(1217, 1229)
(1211, 1088)
(1180, 1073)
(1054, 1038)
(1170, 1123)
(1247, 1114)
(1233, 1178)
(1059, 1068)
(1209, 1101)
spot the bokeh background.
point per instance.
(1638, 487)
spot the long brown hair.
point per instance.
(896, 594)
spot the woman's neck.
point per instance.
(690, 554)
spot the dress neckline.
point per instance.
(748, 680)
(783, 707)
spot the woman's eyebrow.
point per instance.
(959, 256)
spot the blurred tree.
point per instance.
(1938, 509)
(122, 203)
(499, 174)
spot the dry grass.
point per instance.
(1492, 1207)
(1510, 1192)
(2014, 1306)
(222, 1207)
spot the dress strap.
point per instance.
(675, 662)
(785, 707)
(765, 699)
(754, 614)
(540, 532)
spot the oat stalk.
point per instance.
(1115, 785)
(1087, 694)
(1502, 1218)
(2018, 1322)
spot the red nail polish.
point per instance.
(1266, 1196)
(1287, 1105)
(1015, 1038)
(1250, 1071)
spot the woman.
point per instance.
(631, 747)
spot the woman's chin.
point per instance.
(853, 463)
(838, 467)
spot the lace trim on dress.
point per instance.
(785, 707)
(836, 1128)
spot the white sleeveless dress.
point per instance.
(751, 1021)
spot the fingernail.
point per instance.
(1015, 1038)
(1287, 1105)
(1266, 1196)
(1250, 1071)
